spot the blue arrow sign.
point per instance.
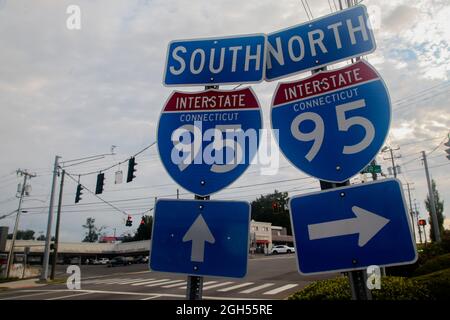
(202, 238)
(207, 139)
(215, 61)
(316, 43)
(351, 228)
(332, 124)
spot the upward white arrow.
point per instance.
(198, 233)
(367, 224)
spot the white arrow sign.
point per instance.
(367, 224)
(198, 233)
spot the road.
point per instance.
(268, 277)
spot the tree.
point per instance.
(23, 235)
(143, 232)
(93, 232)
(272, 208)
(439, 210)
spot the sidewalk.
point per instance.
(21, 284)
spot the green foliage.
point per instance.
(144, 231)
(439, 205)
(392, 288)
(400, 288)
(93, 232)
(438, 284)
(23, 235)
(332, 289)
(432, 265)
(263, 210)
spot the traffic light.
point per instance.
(447, 144)
(131, 169)
(422, 222)
(100, 183)
(142, 221)
(79, 193)
(129, 222)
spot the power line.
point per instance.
(114, 165)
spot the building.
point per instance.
(260, 237)
(280, 236)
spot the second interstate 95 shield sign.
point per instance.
(207, 139)
(332, 124)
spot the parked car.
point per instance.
(119, 261)
(101, 261)
(282, 249)
(141, 259)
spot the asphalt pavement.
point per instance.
(268, 277)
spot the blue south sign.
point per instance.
(207, 139)
(332, 124)
(319, 42)
(216, 61)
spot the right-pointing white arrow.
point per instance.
(367, 224)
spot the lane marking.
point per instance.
(150, 298)
(280, 289)
(266, 285)
(149, 282)
(70, 296)
(222, 284)
(26, 295)
(175, 285)
(167, 282)
(49, 291)
(246, 284)
(204, 283)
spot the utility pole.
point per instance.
(392, 158)
(44, 274)
(417, 221)
(58, 218)
(411, 211)
(25, 175)
(178, 193)
(434, 220)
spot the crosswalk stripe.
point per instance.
(217, 285)
(183, 283)
(280, 289)
(204, 283)
(133, 281)
(161, 283)
(115, 280)
(266, 285)
(148, 282)
(245, 284)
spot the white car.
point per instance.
(103, 261)
(282, 249)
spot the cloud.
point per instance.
(76, 93)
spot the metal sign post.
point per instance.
(194, 290)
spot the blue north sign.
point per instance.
(311, 45)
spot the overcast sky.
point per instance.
(74, 93)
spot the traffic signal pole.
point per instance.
(44, 274)
(58, 218)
